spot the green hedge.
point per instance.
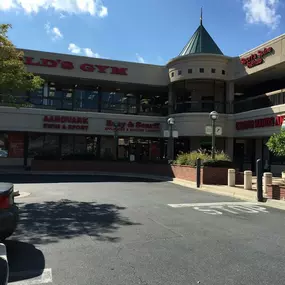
(221, 159)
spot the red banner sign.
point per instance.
(256, 58)
(68, 65)
(132, 126)
(16, 145)
(65, 123)
(260, 123)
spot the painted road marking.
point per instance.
(209, 204)
(44, 278)
(219, 208)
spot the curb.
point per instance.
(4, 268)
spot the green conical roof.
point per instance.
(201, 42)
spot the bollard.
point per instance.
(231, 177)
(267, 180)
(247, 178)
(198, 174)
(259, 180)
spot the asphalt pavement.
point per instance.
(115, 230)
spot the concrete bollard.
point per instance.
(231, 177)
(267, 180)
(247, 178)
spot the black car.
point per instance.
(9, 214)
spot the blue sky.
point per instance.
(150, 31)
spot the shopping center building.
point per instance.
(119, 110)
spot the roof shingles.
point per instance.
(201, 42)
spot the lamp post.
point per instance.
(115, 124)
(213, 116)
(171, 123)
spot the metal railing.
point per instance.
(262, 101)
(202, 106)
(84, 105)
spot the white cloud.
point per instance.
(262, 12)
(54, 32)
(140, 59)
(61, 16)
(73, 48)
(88, 52)
(92, 7)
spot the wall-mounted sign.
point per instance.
(68, 65)
(65, 123)
(260, 123)
(256, 58)
(131, 126)
(16, 145)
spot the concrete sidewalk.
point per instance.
(236, 192)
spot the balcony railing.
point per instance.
(86, 105)
(262, 101)
(202, 106)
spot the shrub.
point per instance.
(191, 158)
(218, 163)
(221, 159)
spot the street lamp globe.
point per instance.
(214, 115)
(171, 121)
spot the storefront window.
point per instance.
(91, 144)
(4, 146)
(108, 148)
(51, 144)
(86, 99)
(114, 102)
(36, 96)
(36, 142)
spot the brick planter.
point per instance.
(209, 175)
(276, 192)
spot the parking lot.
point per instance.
(108, 230)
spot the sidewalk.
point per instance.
(236, 192)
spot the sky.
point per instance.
(144, 31)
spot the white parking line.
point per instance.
(44, 278)
(210, 204)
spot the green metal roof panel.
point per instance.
(201, 42)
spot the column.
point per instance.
(26, 149)
(230, 147)
(45, 101)
(230, 95)
(170, 99)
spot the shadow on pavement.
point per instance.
(25, 261)
(49, 222)
(39, 178)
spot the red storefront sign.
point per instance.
(132, 126)
(16, 145)
(260, 123)
(65, 123)
(256, 58)
(68, 65)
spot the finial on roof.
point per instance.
(201, 17)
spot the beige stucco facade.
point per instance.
(210, 76)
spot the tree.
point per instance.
(13, 74)
(276, 143)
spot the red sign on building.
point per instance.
(65, 123)
(132, 126)
(256, 58)
(260, 123)
(68, 65)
